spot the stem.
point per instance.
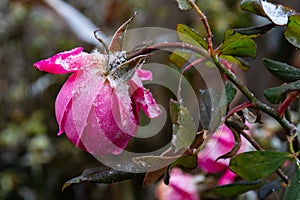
(196, 61)
(206, 26)
(166, 45)
(289, 127)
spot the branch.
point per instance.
(206, 26)
(289, 127)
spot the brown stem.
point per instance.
(206, 26)
(166, 45)
(289, 127)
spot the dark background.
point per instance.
(34, 162)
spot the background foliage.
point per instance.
(34, 162)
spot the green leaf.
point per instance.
(188, 35)
(184, 130)
(253, 6)
(212, 108)
(206, 105)
(174, 111)
(239, 61)
(235, 189)
(103, 174)
(230, 92)
(293, 30)
(184, 4)
(236, 44)
(256, 31)
(276, 94)
(255, 165)
(190, 162)
(282, 71)
(293, 191)
(179, 58)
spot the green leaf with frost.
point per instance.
(185, 4)
(188, 35)
(292, 33)
(282, 71)
(180, 58)
(104, 174)
(184, 129)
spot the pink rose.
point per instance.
(98, 106)
(221, 142)
(182, 186)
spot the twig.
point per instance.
(206, 26)
(166, 45)
(289, 127)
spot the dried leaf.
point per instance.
(117, 39)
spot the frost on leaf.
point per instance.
(185, 4)
(278, 14)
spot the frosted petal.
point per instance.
(64, 62)
(68, 126)
(143, 98)
(97, 142)
(144, 74)
(116, 130)
(87, 83)
(63, 100)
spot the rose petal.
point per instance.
(64, 62)
(220, 143)
(117, 127)
(181, 186)
(86, 85)
(68, 126)
(227, 178)
(144, 74)
(143, 98)
(211, 166)
(63, 99)
(96, 140)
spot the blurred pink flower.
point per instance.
(98, 106)
(182, 186)
(221, 142)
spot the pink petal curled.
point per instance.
(219, 144)
(64, 62)
(149, 105)
(142, 97)
(144, 74)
